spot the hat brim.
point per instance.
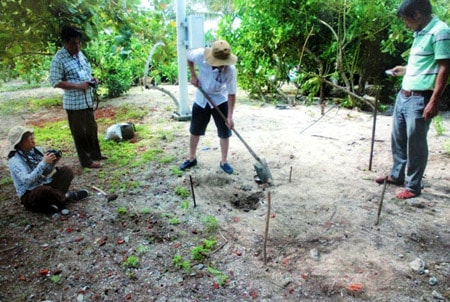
(211, 60)
(19, 139)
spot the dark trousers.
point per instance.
(40, 198)
(84, 133)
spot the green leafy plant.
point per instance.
(131, 262)
(211, 224)
(56, 278)
(6, 181)
(184, 205)
(145, 211)
(182, 191)
(182, 264)
(199, 252)
(175, 171)
(142, 249)
(174, 221)
(447, 147)
(122, 210)
(220, 277)
(439, 125)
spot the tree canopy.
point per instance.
(302, 42)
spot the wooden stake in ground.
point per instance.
(380, 205)
(267, 227)
(290, 175)
(192, 190)
(375, 109)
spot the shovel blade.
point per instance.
(263, 172)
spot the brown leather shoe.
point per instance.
(95, 165)
(390, 180)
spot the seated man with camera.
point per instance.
(40, 185)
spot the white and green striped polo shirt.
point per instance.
(430, 44)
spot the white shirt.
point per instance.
(218, 84)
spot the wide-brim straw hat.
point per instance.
(220, 54)
(15, 135)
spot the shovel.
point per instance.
(109, 197)
(261, 167)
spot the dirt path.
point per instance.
(322, 241)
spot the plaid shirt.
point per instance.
(73, 69)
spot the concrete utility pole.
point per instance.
(184, 111)
(190, 34)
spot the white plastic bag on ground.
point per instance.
(120, 131)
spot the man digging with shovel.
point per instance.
(217, 77)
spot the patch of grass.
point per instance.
(56, 278)
(174, 221)
(439, 125)
(121, 154)
(182, 264)
(220, 277)
(23, 86)
(142, 249)
(166, 135)
(14, 107)
(145, 211)
(184, 205)
(210, 223)
(152, 154)
(6, 181)
(182, 191)
(166, 159)
(123, 158)
(44, 103)
(175, 171)
(56, 135)
(199, 252)
(122, 210)
(447, 147)
(128, 112)
(131, 262)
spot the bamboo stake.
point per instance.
(192, 190)
(381, 200)
(290, 175)
(267, 227)
(373, 132)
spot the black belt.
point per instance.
(408, 93)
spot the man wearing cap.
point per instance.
(217, 76)
(40, 185)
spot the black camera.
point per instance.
(92, 83)
(57, 153)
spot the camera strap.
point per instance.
(32, 159)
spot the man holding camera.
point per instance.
(71, 71)
(40, 185)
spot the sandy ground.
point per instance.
(323, 244)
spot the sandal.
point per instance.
(405, 194)
(390, 180)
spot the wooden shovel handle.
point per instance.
(232, 129)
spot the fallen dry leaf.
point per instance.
(355, 287)
(43, 272)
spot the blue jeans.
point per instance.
(409, 141)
